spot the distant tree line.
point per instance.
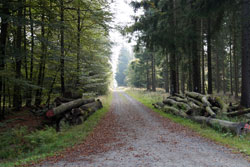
(124, 59)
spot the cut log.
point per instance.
(174, 111)
(195, 101)
(195, 95)
(234, 127)
(178, 99)
(158, 105)
(224, 107)
(72, 95)
(216, 109)
(210, 111)
(67, 106)
(193, 105)
(92, 107)
(60, 100)
(204, 100)
(238, 113)
(179, 95)
(180, 105)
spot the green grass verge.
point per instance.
(238, 143)
(19, 147)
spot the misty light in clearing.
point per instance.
(122, 17)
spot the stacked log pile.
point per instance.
(205, 109)
(72, 110)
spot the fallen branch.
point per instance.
(238, 113)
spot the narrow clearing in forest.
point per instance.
(133, 135)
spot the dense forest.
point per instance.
(196, 45)
(50, 47)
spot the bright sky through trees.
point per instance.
(122, 17)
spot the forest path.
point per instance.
(131, 135)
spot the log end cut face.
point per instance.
(50, 113)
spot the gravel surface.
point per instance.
(131, 135)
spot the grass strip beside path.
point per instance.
(237, 143)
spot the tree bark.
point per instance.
(17, 97)
(41, 74)
(92, 107)
(217, 71)
(245, 89)
(78, 44)
(195, 58)
(173, 73)
(234, 127)
(236, 76)
(153, 72)
(29, 95)
(166, 75)
(230, 63)
(68, 106)
(148, 81)
(203, 59)
(238, 113)
(209, 59)
(3, 37)
(62, 46)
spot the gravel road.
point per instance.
(131, 135)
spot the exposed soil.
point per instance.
(20, 119)
(133, 135)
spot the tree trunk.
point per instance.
(209, 59)
(17, 97)
(183, 80)
(153, 72)
(166, 75)
(38, 99)
(78, 44)
(173, 73)
(62, 46)
(224, 81)
(148, 81)
(29, 95)
(245, 89)
(217, 71)
(25, 43)
(3, 37)
(236, 76)
(230, 63)
(203, 59)
(190, 68)
(195, 58)
(25, 50)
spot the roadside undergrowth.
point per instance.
(19, 146)
(237, 143)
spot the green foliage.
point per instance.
(85, 49)
(19, 146)
(22, 141)
(136, 74)
(123, 62)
